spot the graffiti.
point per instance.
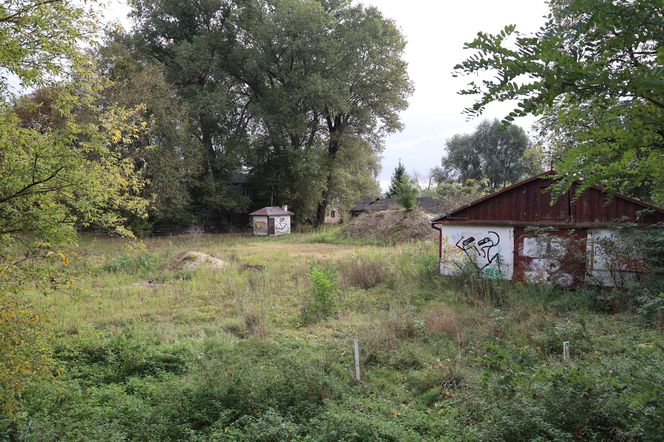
(481, 252)
(493, 273)
(281, 225)
(260, 227)
(489, 250)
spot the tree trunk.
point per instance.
(332, 148)
(210, 154)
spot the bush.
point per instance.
(134, 263)
(406, 194)
(606, 397)
(363, 272)
(321, 304)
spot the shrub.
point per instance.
(321, 304)
(363, 272)
(614, 397)
(407, 193)
(133, 263)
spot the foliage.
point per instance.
(66, 173)
(301, 102)
(38, 38)
(601, 98)
(606, 398)
(397, 179)
(455, 195)
(25, 355)
(321, 304)
(495, 153)
(406, 193)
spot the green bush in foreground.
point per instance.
(321, 304)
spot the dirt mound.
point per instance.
(391, 225)
(193, 260)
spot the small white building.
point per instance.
(271, 221)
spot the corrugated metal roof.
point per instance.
(271, 211)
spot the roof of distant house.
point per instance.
(362, 204)
(384, 204)
(271, 211)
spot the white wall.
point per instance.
(281, 225)
(604, 268)
(490, 249)
(546, 253)
(260, 225)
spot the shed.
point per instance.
(271, 221)
(517, 234)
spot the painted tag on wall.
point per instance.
(489, 249)
(282, 225)
(260, 225)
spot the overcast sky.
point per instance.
(435, 31)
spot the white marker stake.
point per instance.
(566, 351)
(356, 352)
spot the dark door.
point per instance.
(270, 226)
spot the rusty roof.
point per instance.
(271, 211)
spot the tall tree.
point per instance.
(368, 85)
(196, 44)
(281, 87)
(167, 154)
(397, 179)
(595, 73)
(495, 153)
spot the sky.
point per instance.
(435, 31)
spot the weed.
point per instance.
(321, 303)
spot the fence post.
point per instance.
(356, 354)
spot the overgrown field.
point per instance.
(260, 349)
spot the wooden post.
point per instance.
(566, 351)
(356, 353)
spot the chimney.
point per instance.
(285, 208)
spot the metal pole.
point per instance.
(356, 353)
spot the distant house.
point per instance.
(333, 215)
(271, 221)
(361, 206)
(518, 234)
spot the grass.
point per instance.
(146, 351)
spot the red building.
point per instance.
(517, 233)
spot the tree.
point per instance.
(494, 152)
(167, 154)
(593, 73)
(281, 89)
(407, 193)
(197, 46)
(61, 168)
(396, 180)
(369, 85)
